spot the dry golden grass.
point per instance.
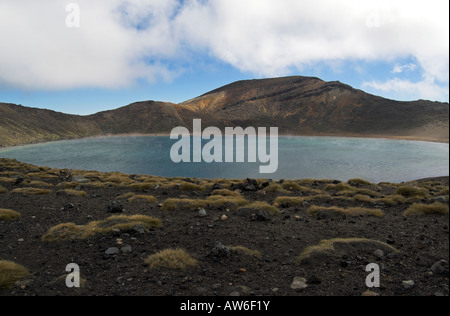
(8, 215)
(327, 246)
(424, 209)
(352, 211)
(220, 201)
(39, 184)
(359, 182)
(70, 231)
(176, 259)
(31, 191)
(68, 185)
(126, 196)
(10, 273)
(262, 206)
(225, 192)
(173, 204)
(388, 200)
(142, 186)
(346, 190)
(412, 191)
(188, 186)
(291, 200)
(73, 192)
(7, 180)
(276, 188)
(246, 251)
(147, 198)
(117, 178)
(40, 175)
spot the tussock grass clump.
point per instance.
(276, 188)
(329, 247)
(412, 191)
(188, 186)
(225, 192)
(174, 259)
(40, 175)
(7, 180)
(424, 209)
(3, 190)
(262, 206)
(70, 231)
(220, 201)
(388, 200)
(352, 211)
(142, 186)
(173, 204)
(287, 201)
(147, 198)
(10, 273)
(358, 182)
(31, 191)
(64, 232)
(68, 185)
(246, 251)
(117, 178)
(39, 184)
(8, 215)
(72, 192)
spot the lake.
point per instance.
(375, 160)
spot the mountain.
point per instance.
(297, 105)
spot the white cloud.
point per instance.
(406, 90)
(401, 68)
(122, 40)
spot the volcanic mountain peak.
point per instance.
(296, 105)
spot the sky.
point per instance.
(86, 56)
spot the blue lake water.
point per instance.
(375, 160)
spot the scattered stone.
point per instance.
(217, 186)
(202, 213)
(116, 232)
(115, 207)
(379, 254)
(139, 229)
(80, 179)
(19, 180)
(126, 249)
(439, 267)
(299, 284)
(112, 251)
(407, 285)
(262, 216)
(216, 286)
(235, 293)
(441, 199)
(220, 251)
(224, 218)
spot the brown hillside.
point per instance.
(297, 105)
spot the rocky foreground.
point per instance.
(152, 236)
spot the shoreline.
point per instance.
(404, 138)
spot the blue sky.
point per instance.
(170, 50)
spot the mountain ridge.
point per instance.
(297, 105)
